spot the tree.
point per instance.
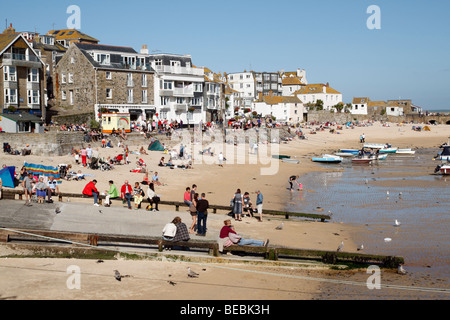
(319, 105)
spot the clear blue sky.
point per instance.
(407, 58)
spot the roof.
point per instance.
(315, 89)
(272, 100)
(22, 117)
(101, 47)
(376, 103)
(6, 40)
(71, 34)
(361, 100)
(290, 81)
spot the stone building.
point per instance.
(22, 75)
(93, 78)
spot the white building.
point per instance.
(245, 84)
(292, 81)
(311, 93)
(284, 109)
(178, 88)
(360, 106)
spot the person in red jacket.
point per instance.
(91, 190)
(126, 193)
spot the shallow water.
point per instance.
(358, 194)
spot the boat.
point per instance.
(445, 154)
(351, 151)
(443, 169)
(362, 160)
(286, 160)
(388, 150)
(328, 158)
(280, 156)
(344, 154)
(405, 151)
(384, 148)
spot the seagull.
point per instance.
(397, 223)
(387, 193)
(341, 246)
(191, 273)
(361, 247)
(401, 270)
(280, 227)
(100, 211)
(57, 210)
(172, 283)
(118, 276)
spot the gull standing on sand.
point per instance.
(191, 273)
(397, 223)
(401, 270)
(341, 246)
(280, 227)
(361, 247)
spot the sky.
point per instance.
(406, 58)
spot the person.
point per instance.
(52, 188)
(228, 236)
(83, 157)
(182, 233)
(169, 231)
(126, 193)
(292, 179)
(161, 162)
(103, 142)
(237, 205)
(91, 190)
(193, 211)
(155, 179)
(193, 191)
(112, 193)
(248, 205)
(40, 190)
(145, 179)
(27, 184)
(221, 159)
(89, 153)
(259, 204)
(138, 195)
(152, 197)
(202, 209)
(77, 157)
(187, 197)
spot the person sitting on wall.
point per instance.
(26, 151)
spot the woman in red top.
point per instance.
(224, 240)
(126, 193)
(91, 190)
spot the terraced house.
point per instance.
(93, 78)
(22, 76)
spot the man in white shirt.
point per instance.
(52, 188)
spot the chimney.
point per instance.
(144, 49)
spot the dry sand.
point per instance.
(45, 279)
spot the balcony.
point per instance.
(180, 70)
(183, 92)
(21, 60)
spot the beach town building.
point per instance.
(284, 109)
(22, 75)
(214, 96)
(65, 37)
(178, 89)
(292, 81)
(93, 78)
(360, 105)
(311, 93)
(245, 84)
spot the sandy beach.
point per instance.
(219, 184)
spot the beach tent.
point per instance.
(7, 176)
(156, 146)
(426, 128)
(40, 170)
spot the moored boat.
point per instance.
(405, 151)
(351, 151)
(287, 160)
(443, 169)
(327, 158)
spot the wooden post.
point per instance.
(177, 208)
(160, 246)
(216, 250)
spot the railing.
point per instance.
(180, 70)
(183, 91)
(20, 57)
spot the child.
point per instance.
(77, 158)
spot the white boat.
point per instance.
(389, 150)
(287, 160)
(405, 151)
(443, 169)
(328, 158)
(344, 154)
(384, 148)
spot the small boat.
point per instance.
(280, 156)
(362, 160)
(345, 154)
(375, 145)
(443, 169)
(405, 151)
(286, 160)
(351, 151)
(382, 156)
(388, 150)
(328, 158)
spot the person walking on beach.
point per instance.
(237, 205)
(126, 193)
(83, 153)
(202, 209)
(259, 204)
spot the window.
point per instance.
(103, 58)
(144, 80)
(164, 101)
(10, 96)
(72, 60)
(63, 78)
(10, 74)
(33, 75)
(198, 87)
(108, 93)
(108, 75)
(167, 85)
(144, 96)
(71, 97)
(70, 77)
(130, 79)
(174, 63)
(190, 115)
(63, 95)
(188, 64)
(33, 96)
(130, 95)
(180, 100)
(158, 62)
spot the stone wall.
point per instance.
(44, 144)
